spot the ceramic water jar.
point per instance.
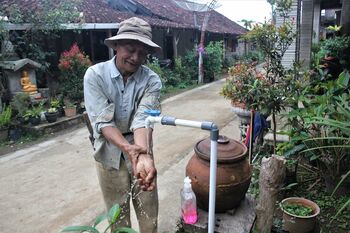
(233, 173)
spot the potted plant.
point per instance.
(20, 103)
(15, 132)
(70, 109)
(51, 115)
(241, 89)
(299, 214)
(56, 103)
(73, 64)
(33, 114)
(5, 119)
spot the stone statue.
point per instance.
(27, 85)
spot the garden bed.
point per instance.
(47, 128)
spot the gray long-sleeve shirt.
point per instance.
(109, 103)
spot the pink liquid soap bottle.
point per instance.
(188, 203)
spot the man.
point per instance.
(117, 93)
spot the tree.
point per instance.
(248, 26)
(273, 41)
(247, 23)
(43, 26)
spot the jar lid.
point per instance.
(229, 150)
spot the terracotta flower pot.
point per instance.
(299, 224)
(70, 111)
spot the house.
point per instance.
(175, 29)
(312, 17)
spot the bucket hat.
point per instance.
(133, 29)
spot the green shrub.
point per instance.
(338, 47)
(253, 56)
(179, 76)
(154, 65)
(20, 103)
(5, 116)
(34, 111)
(229, 61)
(213, 61)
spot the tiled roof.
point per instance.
(166, 14)
(217, 22)
(98, 11)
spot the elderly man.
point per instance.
(117, 92)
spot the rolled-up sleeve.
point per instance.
(98, 106)
(150, 100)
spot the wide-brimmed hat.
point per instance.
(133, 29)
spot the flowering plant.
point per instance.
(73, 64)
(245, 86)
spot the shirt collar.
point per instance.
(114, 72)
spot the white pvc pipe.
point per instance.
(194, 124)
(212, 185)
(213, 161)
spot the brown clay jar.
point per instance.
(232, 177)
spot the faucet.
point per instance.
(153, 117)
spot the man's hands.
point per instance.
(133, 152)
(142, 163)
(142, 166)
(146, 172)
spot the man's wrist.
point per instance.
(146, 155)
(125, 147)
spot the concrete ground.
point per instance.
(54, 184)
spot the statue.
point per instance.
(27, 85)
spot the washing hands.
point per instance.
(146, 172)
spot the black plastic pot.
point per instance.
(51, 116)
(22, 120)
(3, 134)
(60, 112)
(35, 120)
(15, 134)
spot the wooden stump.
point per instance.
(271, 179)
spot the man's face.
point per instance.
(131, 55)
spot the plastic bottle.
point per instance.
(188, 203)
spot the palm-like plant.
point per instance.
(320, 127)
(331, 151)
